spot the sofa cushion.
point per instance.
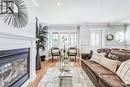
(124, 71)
(98, 69)
(112, 56)
(96, 57)
(72, 51)
(110, 64)
(112, 80)
(55, 51)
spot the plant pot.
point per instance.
(43, 58)
(38, 60)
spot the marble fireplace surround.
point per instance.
(12, 41)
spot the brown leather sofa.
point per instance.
(103, 50)
(121, 55)
(102, 76)
(87, 55)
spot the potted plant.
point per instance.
(41, 35)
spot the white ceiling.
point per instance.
(82, 11)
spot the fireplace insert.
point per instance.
(14, 67)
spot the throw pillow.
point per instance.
(124, 71)
(109, 63)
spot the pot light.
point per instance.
(58, 3)
(98, 4)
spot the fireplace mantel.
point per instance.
(14, 67)
(15, 36)
(10, 41)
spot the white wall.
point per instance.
(85, 31)
(63, 27)
(112, 30)
(13, 38)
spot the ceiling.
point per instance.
(82, 11)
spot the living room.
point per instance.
(97, 31)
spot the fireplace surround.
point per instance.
(14, 67)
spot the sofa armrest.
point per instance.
(128, 85)
(125, 85)
(106, 74)
(84, 55)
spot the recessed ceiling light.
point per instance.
(58, 3)
(98, 5)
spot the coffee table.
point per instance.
(75, 77)
(65, 77)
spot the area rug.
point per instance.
(79, 78)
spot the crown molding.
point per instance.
(14, 36)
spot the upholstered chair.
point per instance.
(72, 51)
(55, 51)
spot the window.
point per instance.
(55, 39)
(119, 37)
(95, 38)
(59, 39)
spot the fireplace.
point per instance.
(14, 67)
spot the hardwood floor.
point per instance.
(44, 67)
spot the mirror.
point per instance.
(119, 37)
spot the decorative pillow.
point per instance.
(126, 78)
(55, 51)
(101, 54)
(124, 71)
(112, 56)
(109, 63)
(96, 57)
(72, 51)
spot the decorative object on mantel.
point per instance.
(109, 37)
(14, 12)
(41, 35)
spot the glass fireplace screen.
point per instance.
(14, 69)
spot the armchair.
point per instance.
(55, 51)
(72, 51)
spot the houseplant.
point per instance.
(41, 35)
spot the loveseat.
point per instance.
(105, 72)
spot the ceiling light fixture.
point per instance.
(58, 3)
(98, 5)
